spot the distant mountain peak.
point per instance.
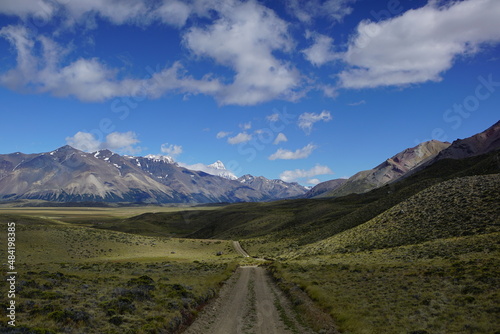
(66, 148)
(218, 168)
(480, 143)
(218, 165)
(274, 187)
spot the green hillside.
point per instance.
(458, 207)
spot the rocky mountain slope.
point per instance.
(478, 144)
(389, 171)
(68, 175)
(273, 188)
(324, 187)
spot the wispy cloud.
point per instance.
(137, 12)
(273, 117)
(300, 153)
(246, 126)
(307, 120)
(222, 134)
(355, 104)
(309, 11)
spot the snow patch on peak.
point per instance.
(220, 170)
(217, 169)
(227, 175)
(246, 178)
(158, 158)
(217, 165)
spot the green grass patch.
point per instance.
(403, 289)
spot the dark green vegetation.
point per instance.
(417, 256)
(114, 297)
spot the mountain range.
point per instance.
(71, 175)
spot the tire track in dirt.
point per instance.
(248, 303)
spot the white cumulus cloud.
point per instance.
(124, 142)
(84, 141)
(297, 174)
(321, 51)
(241, 137)
(419, 45)
(244, 39)
(313, 181)
(170, 149)
(86, 78)
(300, 153)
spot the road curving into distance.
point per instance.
(239, 249)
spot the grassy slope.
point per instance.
(454, 208)
(428, 265)
(442, 286)
(74, 279)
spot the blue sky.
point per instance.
(305, 91)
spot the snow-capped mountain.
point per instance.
(220, 170)
(273, 188)
(68, 175)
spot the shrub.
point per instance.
(116, 320)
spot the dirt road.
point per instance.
(239, 249)
(249, 302)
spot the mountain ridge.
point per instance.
(386, 172)
(67, 174)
